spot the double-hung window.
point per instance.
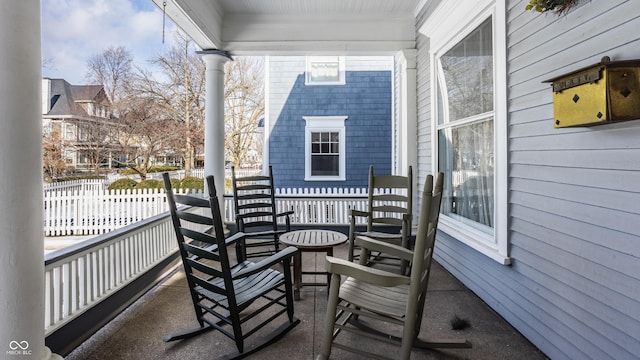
(465, 128)
(469, 102)
(325, 148)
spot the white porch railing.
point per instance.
(79, 277)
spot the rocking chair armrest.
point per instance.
(406, 218)
(280, 256)
(384, 247)
(287, 219)
(234, 238)
(286, 213)
(364, 273)
(354, 212)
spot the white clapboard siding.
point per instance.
(573, 288)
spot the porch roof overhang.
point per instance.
(295, 27)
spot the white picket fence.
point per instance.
(92, 210)
(321, 205)
(82, 184)
(97, 211)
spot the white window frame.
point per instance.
(450, 23)
(69, 132)
(308, 68)
(325, 124)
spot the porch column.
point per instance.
(214, 116)
(22, 247)
(408, 122)
(407, 112)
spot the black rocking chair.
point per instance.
(256, 214)
(227, 295)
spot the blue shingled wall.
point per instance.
(366, 101)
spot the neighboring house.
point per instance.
(81, 116)
(327, 119)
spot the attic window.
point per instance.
(54, 99)
(325, 70)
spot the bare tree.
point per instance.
(244, 106)
(179, 91)
(145, 135)
(174, 91)
(48, 64)
(52, 162)
(112, 69)
(95, 139)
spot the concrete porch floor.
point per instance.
(138, 331)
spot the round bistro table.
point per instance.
(314, 240)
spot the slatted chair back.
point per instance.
(256, 214)
(424, 246)
(390, 199)
(223, 289)
(389, 207)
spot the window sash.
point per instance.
(466, 76)
(325, 154)
(468, 194)
(465, 128)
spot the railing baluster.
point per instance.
(49, 298)
(81, 279)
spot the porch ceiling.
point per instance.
(287, 27)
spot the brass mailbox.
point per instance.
(603, 93)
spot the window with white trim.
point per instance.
(69, 132)
(325, 70)
(468, 57)
(465, 128)
(325, 148)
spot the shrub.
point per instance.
(127, 172)
(78, 177)
(151, 170)
(163, 168)
(228, 186)
(175, 183)
(150, 184)
(191, 182)
(122, 184)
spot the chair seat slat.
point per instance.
(391, 301)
